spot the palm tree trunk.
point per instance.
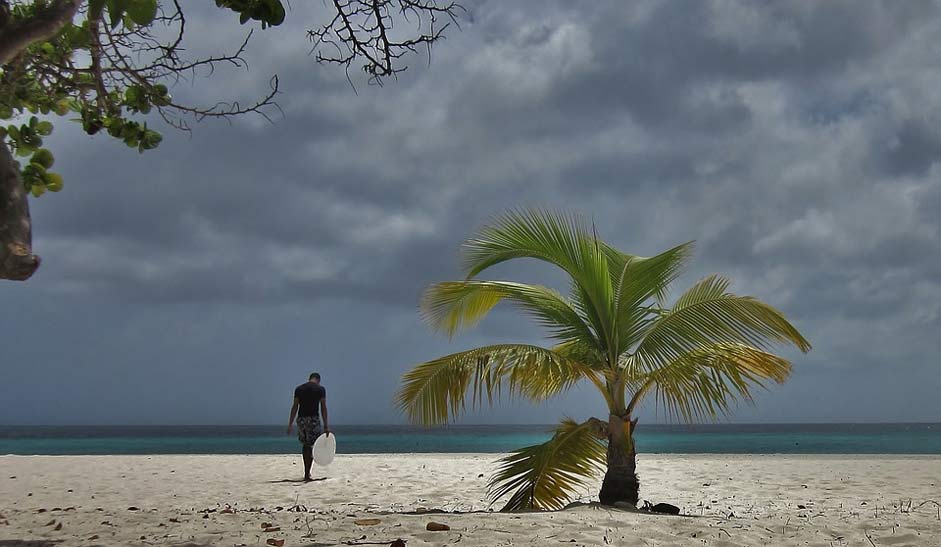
(620, 481)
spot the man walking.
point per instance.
(310, 403)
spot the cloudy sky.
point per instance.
(797, 142)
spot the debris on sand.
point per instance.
(664, 508)
(437, 527)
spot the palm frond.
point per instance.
(704, 382)
(643, 279)
(591, 362)
(579, 350)
(553, 238)
(435, 392)
(708, 288)
(705, 315)
(544, 476)
(562, 240)
(450, 306)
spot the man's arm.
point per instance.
(293, 414)
(323, 414)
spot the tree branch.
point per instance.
(360, 31)
(17, 261)
(15, 37)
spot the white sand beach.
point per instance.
(226, 500)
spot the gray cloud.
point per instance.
(794, 141)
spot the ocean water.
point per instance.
(919, 438)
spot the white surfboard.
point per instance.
(325, 448)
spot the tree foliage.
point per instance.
(111, 66)
(107, 68)
(613, 329)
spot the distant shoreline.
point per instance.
(470, 425)
(913, 438)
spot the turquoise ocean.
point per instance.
(920, 438)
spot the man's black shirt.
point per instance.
(308, 396)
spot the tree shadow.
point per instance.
(622, 509)
(55, 542)
(318, 479)
(574, 505)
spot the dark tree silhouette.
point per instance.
(110, 63)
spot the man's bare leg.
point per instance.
(308, 461)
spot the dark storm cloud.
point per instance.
(794, 141)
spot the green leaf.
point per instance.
(160, 95)
(53, 182)
(29, 138)
(62, 107)
(132, 94)
(43, 157)
(142, 12)
(150, 139)
(276, 14)
(116, 9)
(116, 128)
(44, 128)
(77, 35)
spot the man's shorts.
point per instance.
(308, 429)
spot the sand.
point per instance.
(225, 500)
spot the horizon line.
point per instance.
(481, 424)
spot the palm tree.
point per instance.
(695, 358)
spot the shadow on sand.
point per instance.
(575, 505)
(298, 480)
(54, 543)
